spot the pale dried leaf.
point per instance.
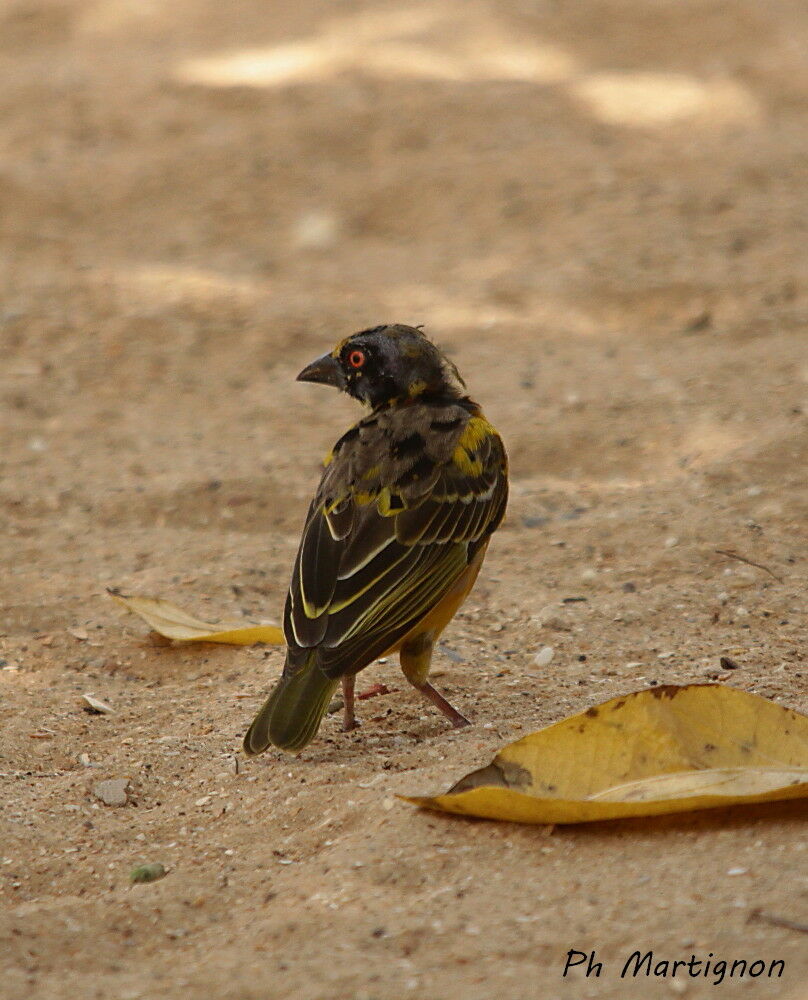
(174, 623)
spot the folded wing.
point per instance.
(375, 559)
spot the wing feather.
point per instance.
(382, 546)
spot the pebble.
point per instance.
(544, 657)
(147, 873)
(95, 705)
(548, 617)
(535, 522)
(114, 792)
(671, 542)
(589, 574)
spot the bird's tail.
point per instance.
(291, 715)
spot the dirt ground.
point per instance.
(599, 209)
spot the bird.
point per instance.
(395, 535)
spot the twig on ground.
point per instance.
(772, 918)
(749, 562)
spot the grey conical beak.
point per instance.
(326, 370)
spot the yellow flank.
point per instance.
(372, 472)
(416, 388)
(476, 431)
(468, 466)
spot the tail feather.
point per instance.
(291, 715)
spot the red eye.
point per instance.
(356, 359)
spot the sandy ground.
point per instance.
(599, 208)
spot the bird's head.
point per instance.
(387, 363)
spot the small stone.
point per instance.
(84, 760)
(728, 664)
(114, 792)
(741, 612)
(95, 705)
(671, 542)
(589, 574)
(629, 587)
(737, 871)
(79, 633)
(544, 657)
(202, 801)
(548, 617)
(147, 873)
(700, 322)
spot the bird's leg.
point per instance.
(416, 657)
(349, 720)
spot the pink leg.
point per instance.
(416, 656)
(349, 720)
(451, 713)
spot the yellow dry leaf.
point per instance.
(174, 623)
(662, 750)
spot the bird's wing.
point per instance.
(380, 550)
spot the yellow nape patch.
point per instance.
(416, 388)
(476, 431)
(328, 458)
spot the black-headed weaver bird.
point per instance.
(396, 533)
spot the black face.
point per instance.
(386, 363)
(370, 369)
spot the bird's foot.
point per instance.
(437, 699)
